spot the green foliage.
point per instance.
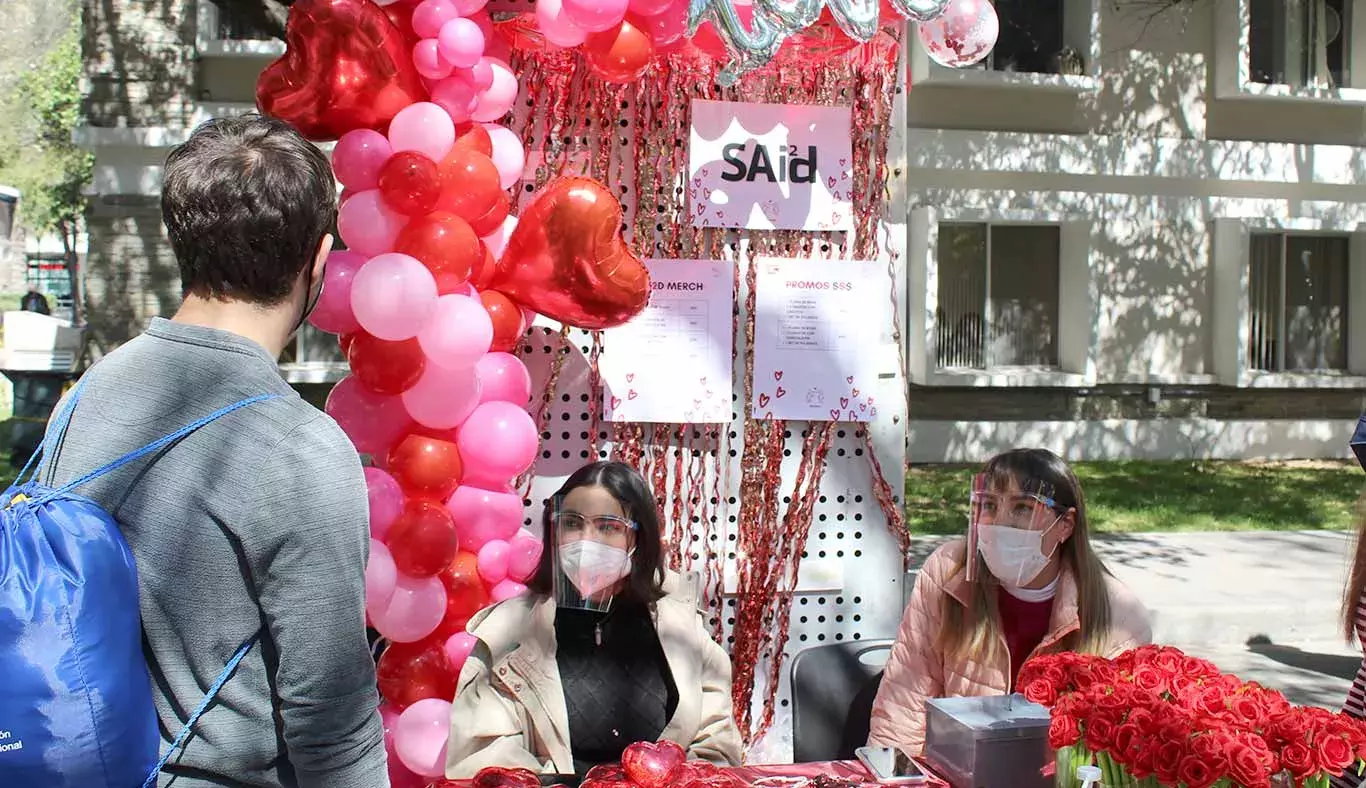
(39, 157)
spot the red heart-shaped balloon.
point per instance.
(653, 764)
(346, 66)
(567, 260)
(499, 777)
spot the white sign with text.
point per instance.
(771, 167)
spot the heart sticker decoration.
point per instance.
(568, 261)
(346, 66)
(653, 764)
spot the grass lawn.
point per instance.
(1169, 496)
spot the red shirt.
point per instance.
(1025, 625)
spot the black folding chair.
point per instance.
(833, 687)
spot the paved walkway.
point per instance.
(1263, 605)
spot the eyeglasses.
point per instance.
(606, 526)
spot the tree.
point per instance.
(44, 163)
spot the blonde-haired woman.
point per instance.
(1023, 581)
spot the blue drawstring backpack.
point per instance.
(75, 697)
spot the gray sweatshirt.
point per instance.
(259, 521)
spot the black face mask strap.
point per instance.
(310, 300)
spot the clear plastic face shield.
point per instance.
(592, 555)
(1007, 526)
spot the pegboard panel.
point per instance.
(696, 470)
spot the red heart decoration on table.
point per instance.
(498, 777)
(346, 66)
(568, 261)
(653, 764)
(700, 774)
(606, 771)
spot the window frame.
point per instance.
(1233, 60)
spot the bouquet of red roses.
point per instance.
(1155, 717)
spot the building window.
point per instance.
(998, 296)
(1300, 43)
(1297, 302)
(1034, 38)
(235, 28)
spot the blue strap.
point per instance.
(188, 728)
(52, 437)
(153, 447)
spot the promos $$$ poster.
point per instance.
(770, 166)
(672, 362)
(816, 328)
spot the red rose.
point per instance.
(1194, 666)
(1128, 738)
(1297, 758)
(1195, 773)
(1100, 733)
(1063, 731)
(1041, 691)
(1168, 760)
(1149, 679)
(1248, 711)
(1334, 755)
(1248, 767)
(1209, 749)
(1209, 702)
(1103, 673)
(1111, 701)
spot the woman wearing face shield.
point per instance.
(1024, 581)
(606, 649)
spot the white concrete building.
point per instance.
(1138, 235)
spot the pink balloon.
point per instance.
(431, 15)
(399, 775)
(380, 576)
(498, 242)
(668, 27)
(503, 378)
(497, 100)
(497, 442)
(554, 24)
(428, 61)
(458, 649)
(595, 16)
(457, 96)
(524, 555)
(423, 127)
(493, 562)
(528, 316)
(393, 295)
(367, 225)
(386, 500)
(373, 422)
(470, 291)
(508, 156)
(458, 333)
(483, 516)
(442, 398)
(420, 736)
(964, 34)
(413, 612)
(333, 313)
(358, 157)
(469, 8)
(461, 42)
(650, 7)
(480, 75)
(506, 590)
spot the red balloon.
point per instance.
(475, 138)
(508, 325)
(469, 184)
(621, 55)
(346, 66)
(401, 14)
(344, 341)
(383, 366)
(422, 539)
(465, 595)
(410, 183)
(485, 270)
(567, 260)
(446, 245)
(426, 467)
(410, 672)
(489, 223)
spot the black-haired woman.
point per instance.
(607, 648)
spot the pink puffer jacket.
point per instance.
(917, 671)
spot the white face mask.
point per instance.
(593, 566)
(1014, 555)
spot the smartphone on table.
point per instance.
(890, 766)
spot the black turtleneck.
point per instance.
(618, 688)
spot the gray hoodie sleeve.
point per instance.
(307, 545)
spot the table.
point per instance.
(848, 770)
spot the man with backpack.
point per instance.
(249, 529)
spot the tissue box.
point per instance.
(991, 742)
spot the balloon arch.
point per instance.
(456, 239)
